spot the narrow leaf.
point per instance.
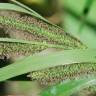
(38, 62)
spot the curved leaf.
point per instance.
(27, 9)
(38, 62)
(30, 42)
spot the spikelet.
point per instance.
(41, 30)
(15, 49)
(57, 74)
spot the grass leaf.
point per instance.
(19, 8)
(8, 6)
(27, 9)
(38, 62)
(30, 42)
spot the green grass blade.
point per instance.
(30, 42)
(38, 62)
(8, 6)
(19, 7)
(28, 9)
(14, 7)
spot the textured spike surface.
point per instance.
(57, 74)
(11, 50)
(39, 30)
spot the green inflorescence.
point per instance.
(57, 74)
(9, 48)
(48, 34)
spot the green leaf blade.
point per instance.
(38, 62)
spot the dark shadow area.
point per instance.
(85, 11)
(21, 78)
(2, 89)
(2, 33)
(4, 1)
(4, 61)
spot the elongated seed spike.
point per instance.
(41, 30)
(10, 49)
(57, 74)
